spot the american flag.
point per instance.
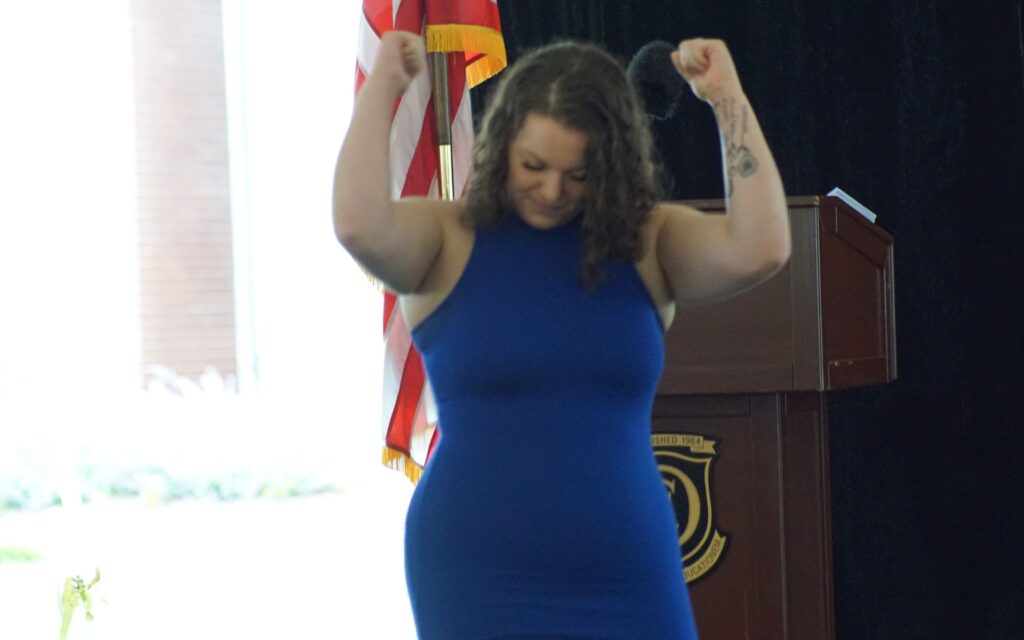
(470, 29)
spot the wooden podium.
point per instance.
(740, 423)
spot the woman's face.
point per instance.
(546, 172)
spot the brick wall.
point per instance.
(185, 258)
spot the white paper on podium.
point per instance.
(850, 200)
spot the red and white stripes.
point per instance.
(408, 410)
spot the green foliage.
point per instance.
(183, 439)
(14, 555)
(156, 484)
(76, 592)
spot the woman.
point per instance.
(539, 303)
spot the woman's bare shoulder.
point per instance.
(663, 211)
(660, 214)
(449, 213)
(435, 206)
(446, 270)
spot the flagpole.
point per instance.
(442, 123)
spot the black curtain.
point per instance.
(917, 109)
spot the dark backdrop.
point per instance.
(917, 109)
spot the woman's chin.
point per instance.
(542, 219)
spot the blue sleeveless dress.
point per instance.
(542, 513)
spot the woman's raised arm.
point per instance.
(396, 241)
(707, 257)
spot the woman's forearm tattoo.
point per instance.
(739, 160)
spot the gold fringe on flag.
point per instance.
(399, 461)
(449, 38)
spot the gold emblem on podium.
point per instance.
(685, 461)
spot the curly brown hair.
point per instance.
(584, 88)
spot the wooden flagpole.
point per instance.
(442, 123)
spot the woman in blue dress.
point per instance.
(539, 303)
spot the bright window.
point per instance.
(230, 504)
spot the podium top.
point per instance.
(793, 202)
(825, 321)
